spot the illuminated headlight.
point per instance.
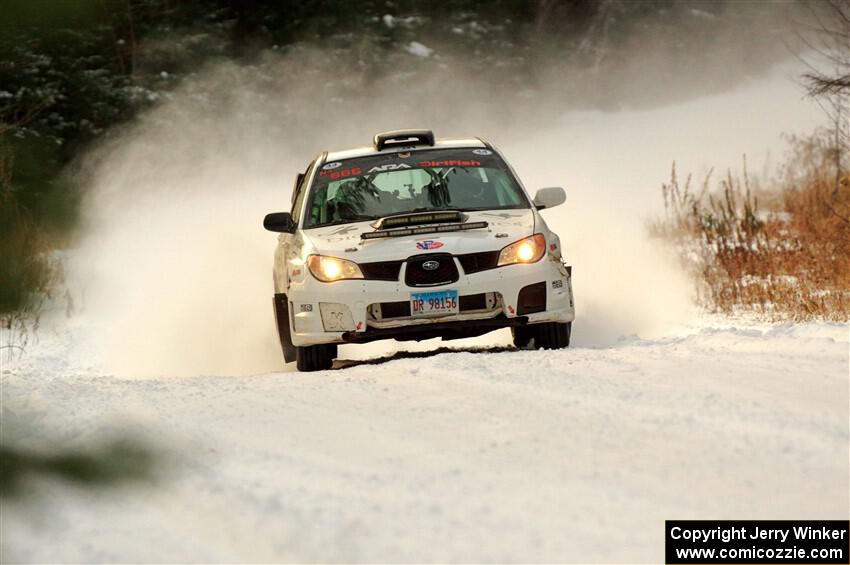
(330, 269)
(528, 250)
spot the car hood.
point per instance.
(504, 227)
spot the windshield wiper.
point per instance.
(429, 209)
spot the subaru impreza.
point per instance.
(415, 238)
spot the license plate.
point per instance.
(433, 303)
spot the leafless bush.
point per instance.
(780, 254)
(27, 274)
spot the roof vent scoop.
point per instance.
(403, 137)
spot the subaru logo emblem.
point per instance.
(431, 265)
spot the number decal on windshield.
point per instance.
(344, 173)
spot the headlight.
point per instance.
(528, 250)
(330, 269)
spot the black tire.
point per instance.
(522, 336)
(552, 335)
(315, 357)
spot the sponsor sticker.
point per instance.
(482, 152)
(341, 174)
(333, 165)
(450, 163)
(428, 244)
(388, 167)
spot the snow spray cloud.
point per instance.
(174, 269)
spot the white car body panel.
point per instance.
(336, 240)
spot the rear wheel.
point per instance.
(548, 335)
(315, 357)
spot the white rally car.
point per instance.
(413, 239)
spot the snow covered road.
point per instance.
(575, 455)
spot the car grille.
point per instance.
(381, 270)
(475, 262)
(472, 302)
(389, 270)
(395, 310)
(417, 275)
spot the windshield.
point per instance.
(372, 187)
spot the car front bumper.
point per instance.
(344, 311)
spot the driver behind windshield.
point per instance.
(347, 194)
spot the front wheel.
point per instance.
(548, 335)
(315, 357)
(522, 335)
(553, 335)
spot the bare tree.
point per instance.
(828, 78)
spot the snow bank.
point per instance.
(527, 456)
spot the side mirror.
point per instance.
(280, 222)
(549, 197)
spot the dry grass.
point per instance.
(780, 254)
(27, 274)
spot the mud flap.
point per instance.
(281, 316)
